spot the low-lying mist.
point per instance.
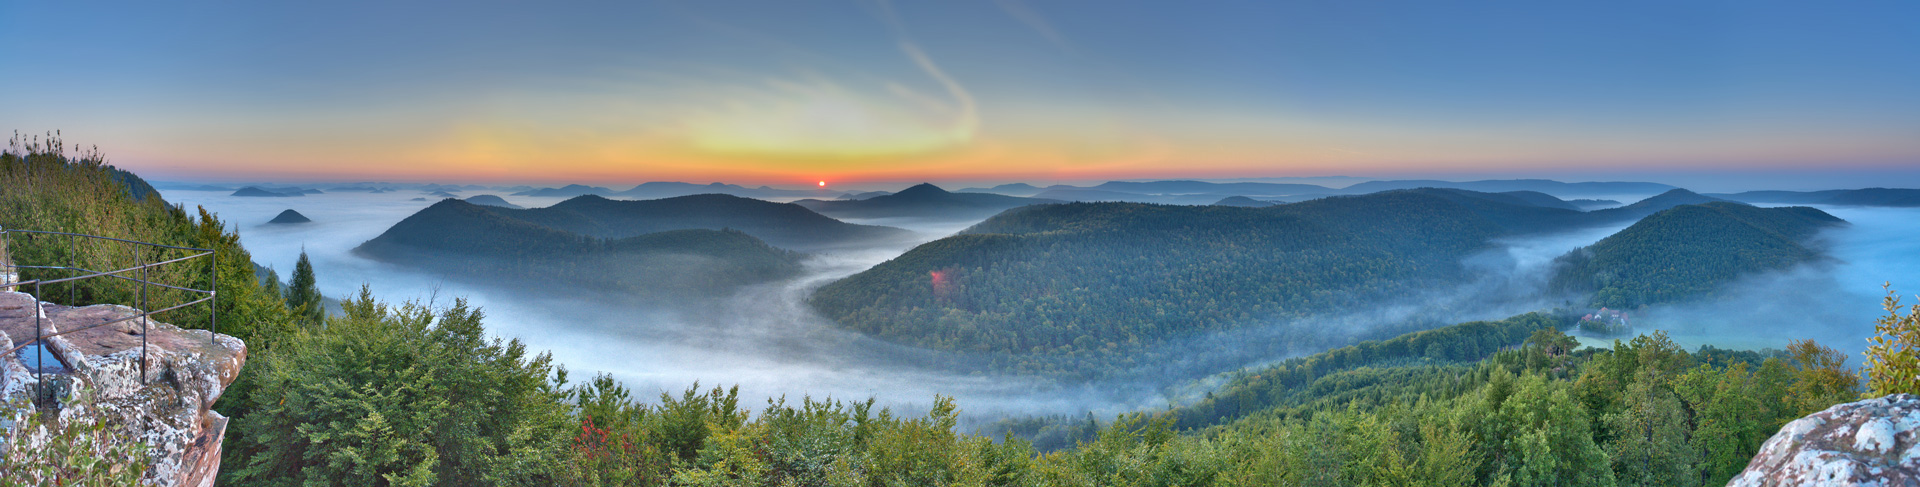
(763, 338)
(1833, 302)
(767, 341)
(1506, 280)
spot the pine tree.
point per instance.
(303, 294)
(270, 284)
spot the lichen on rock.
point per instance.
(167, 404)
(1875, 442)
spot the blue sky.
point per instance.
(795, 91)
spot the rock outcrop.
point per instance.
(96, 375)
(1873, 442)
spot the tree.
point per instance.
(407, 396)
(271, 283)
(303, 294)
(1650, 443)
(1893, 363)
(1822, 380)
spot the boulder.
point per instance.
(1872, 442)
(167, 404)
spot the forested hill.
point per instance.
(1108, 279)
(1537, 198)
(922, 201)
(1690, 250)
(475, 241)
(782, 224)
(1657, 203)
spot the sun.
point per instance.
(823, 184)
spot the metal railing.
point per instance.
(139, 297)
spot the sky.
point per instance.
(791, 92)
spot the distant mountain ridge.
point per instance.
(255, 191)
(1202, 187)
(1085, 195)
(492, 200)
(1010, 189)
(1891, 197)
(568, 191)
(1506, 185)
(1243, 201)
(668, 189)
(923, 200)
(1163, 191)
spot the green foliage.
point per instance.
(80, 453)
(406, 396)
(1893, 356)
(1059, 289)
(303, 294)
(415, 396)
(1297, 384)
(1602, 328)
(45, 187)
(1821, 378)
(1688, 251)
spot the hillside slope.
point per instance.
(1690, 250)
(782, 224)
(1108, 278)
(474, 241)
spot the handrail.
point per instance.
(104, 274)
(146, 312)
(115, 273)
(149, 244)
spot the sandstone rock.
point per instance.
(168, 407)
(1873, 442)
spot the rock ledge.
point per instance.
(1872, 442)
(169, 409)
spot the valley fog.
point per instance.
(763, 339)
(1833, 302)
(768, 342)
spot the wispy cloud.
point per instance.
(1027, 15)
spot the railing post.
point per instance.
(213, 288)
(73, 264)
(141, 260)
(39, 385)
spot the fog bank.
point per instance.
(766, 340)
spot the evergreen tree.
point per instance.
(303, 294)
(270, 284)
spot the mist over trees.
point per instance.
(1687, 251)
(1082, 290)
(419, 394)
(486, 244)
